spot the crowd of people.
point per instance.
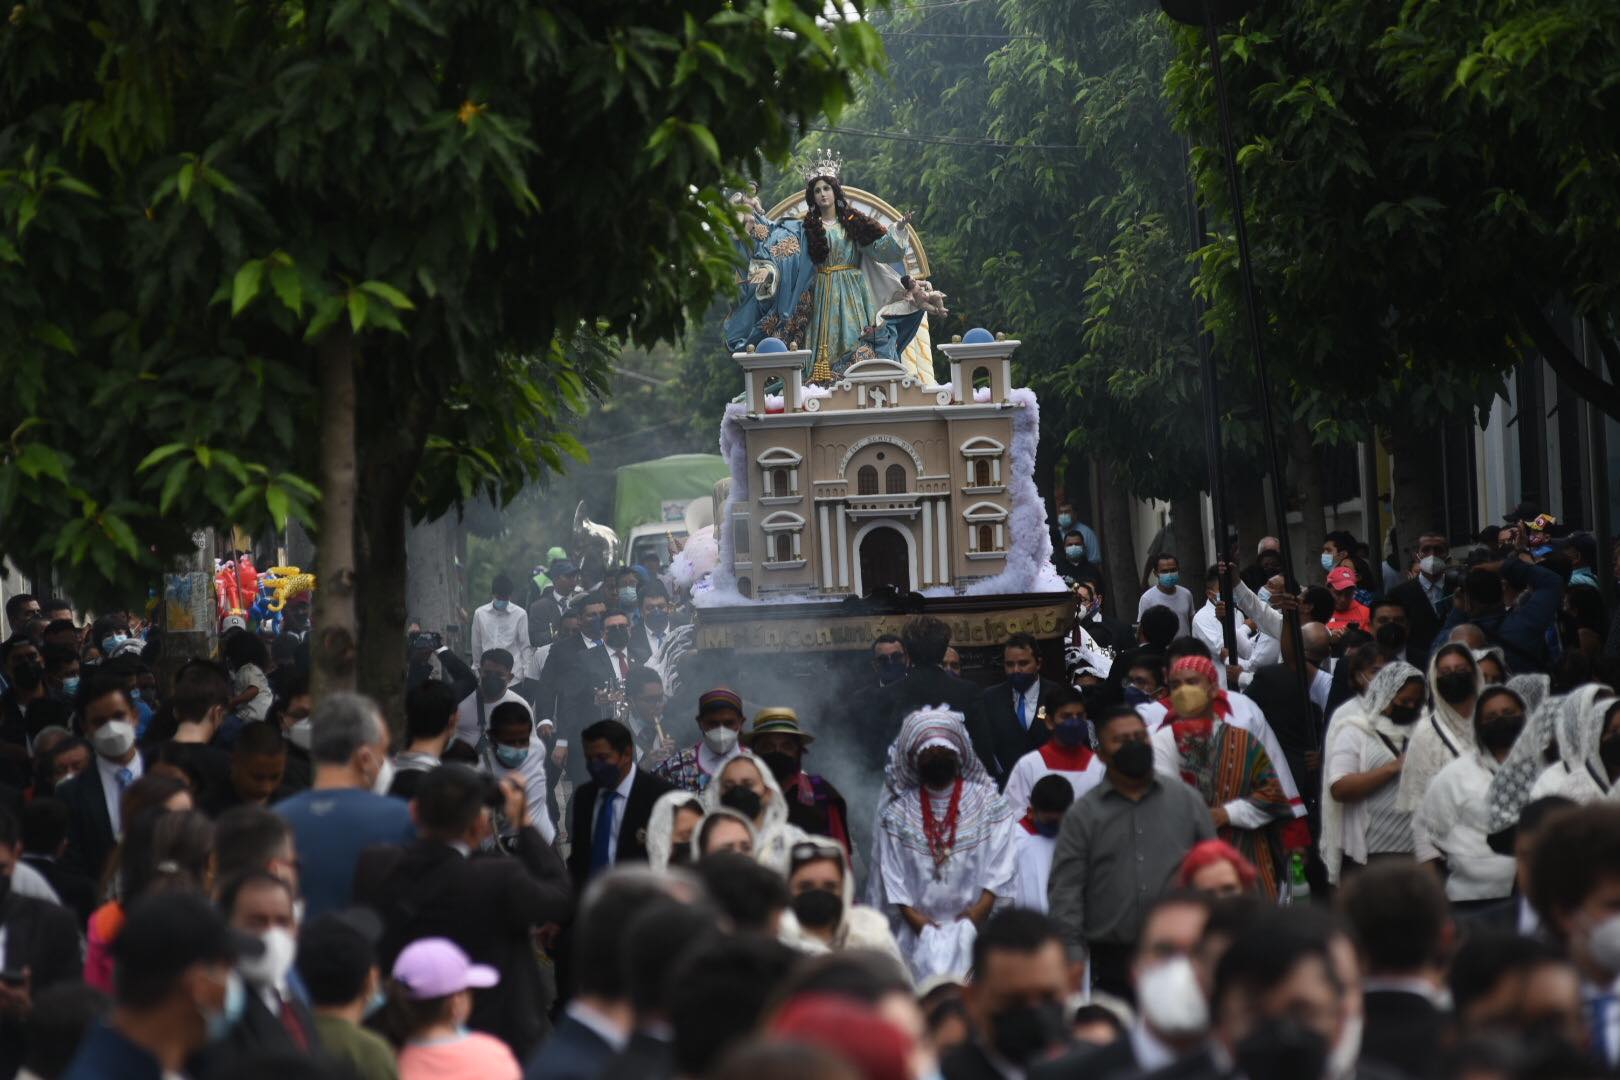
(1357, 829)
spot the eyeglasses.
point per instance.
(811, 850)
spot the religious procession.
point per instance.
(910, 540)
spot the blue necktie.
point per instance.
(125, 777)
(1023, 718)
(1598, 1007)
(602, 839)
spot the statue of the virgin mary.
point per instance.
(831, 281)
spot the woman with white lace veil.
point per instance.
(674, 819)
(1446, 732)
(1568, 773)
(1362, 768)
(746, 785)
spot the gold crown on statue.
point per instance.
(830, 164)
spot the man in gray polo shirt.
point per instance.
(1118, 848)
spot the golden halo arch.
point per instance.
(874, 207)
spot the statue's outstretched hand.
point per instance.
(905, 219)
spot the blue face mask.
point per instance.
(1023, 680)
(501, 605)
(1070, 732)
(378, 998)
(70, 685)
(1135, 696)
(220, 1023)
(511, 756)
(1075, 552)
(1169, 580)
(627, 598)
(111, 642)
(1065, 520)
(1264, 594)
(1048, 829)
(1328, 560)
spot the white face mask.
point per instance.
(1171, 999)
(271, 967)
(1603, 944)
(1345, 1053)
(1433, 565)
(114, 738)
(385, 778)
(301, 733)
(720, 740)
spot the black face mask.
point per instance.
(1024, 1033)
(783, 766)
(1498, 733)
(891, 669)
(1455, 687)
(680, 855)
(1609, 750)
(657, 621)
(493, 686)
(1391, 638)
(616, 637)
(1403, 714)
(27, 676)
(937, 772)
(1134, 760)
(1282, 1050)
(818, 909)
(744, 800)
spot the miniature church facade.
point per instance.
(876, 480)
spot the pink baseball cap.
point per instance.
(435, 967)
(1341, 577)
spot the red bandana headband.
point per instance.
(1198, 665)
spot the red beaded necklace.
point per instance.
(941, 835)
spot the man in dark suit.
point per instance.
(647, 636)
(44, 837)
(1011, 708)
(92, 798)
(1170, 934)
(1424, 598)
(41, 948)
(1015, 999)
(1403, 924)
(488, 905)
(611, 811)
(876, 717)
(577, 671)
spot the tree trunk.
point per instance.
(1246, 507)
(381, 604)
(1414, 454)
(1305, 482)
(432, 595)
(1119, 546)
(335, 632)
(1188, 541)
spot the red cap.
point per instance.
(1341, 577)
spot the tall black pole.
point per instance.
(1212, 419)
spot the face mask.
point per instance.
(1391, 638)
(1609, 751)
(657, 621)
(1070, 731)
(28, 676)
(301, 733)
(818, 909)
(1498, 733)
(1403, 714)
(591, 628)
(1455, 687)
(1433, 565)
(1189, 700)
(1023, 1033)
(114, 738)
(744, 800)
(616, 637)
(1075, 552)
(220, 1023)
(384, 779)
(1347, 1051)
(1328, 561)
(937, 772)
(493, 686)
(720, 740)
(891, 669)
(1085, 611)
(1048, 829)
(511, 756)
(1282, 1050)
(1134, 760)
(108, 644)
(1065, 520)
(378, 998)
(1023, 680)
(1169, 580)
(1603, 944)
(605, 774)
(627, 598)
(1135, 695)
(1264, 595)
(782, 766)
(70, 685)
(502, 605)
(1172, 1001)
(270, 968)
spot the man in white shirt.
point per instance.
(1037, 840)
(1206, 627)
(1168, 593)
(494, 688)
(500, 624)
(516, 751)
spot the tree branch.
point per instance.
(1565, 364)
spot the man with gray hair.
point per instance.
(344, 812)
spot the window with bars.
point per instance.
(894, 480)
(866, 481)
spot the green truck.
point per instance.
(651, 498)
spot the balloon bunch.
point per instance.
(278, 585)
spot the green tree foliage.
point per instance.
(204, 204)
